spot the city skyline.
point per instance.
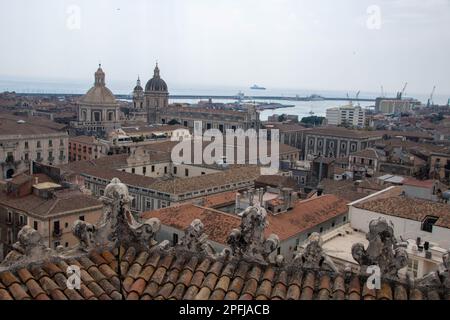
(200, 44)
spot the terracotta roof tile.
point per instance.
(198, 278)
(191, 293)
(191, 277)
(265, 289)
(18, 292)
(203, 294)
(293, 292)
(236, 285)
(147, 273)
(210, 281)
(218, 294)
(166, 290)
(158, 275)
(223, 283)
(152, 289)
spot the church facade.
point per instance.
(154, 101)
(97, 111)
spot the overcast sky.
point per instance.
(317, 44)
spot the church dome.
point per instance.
(99, 94)
(156, 83)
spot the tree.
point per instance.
(313, 120)
(173, 122)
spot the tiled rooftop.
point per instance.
(162, 276)
(409, 208)
(63, 201)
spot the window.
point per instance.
(186, 172)
(38, 144)
(148, 204)
(66, 244)
(61, 142)
(133, 170)
(81, 218)
(344, 219)
(21, 220)
(38, 156)
(321, 229)
(165, 170)
(56, 227)
(9, 217)
(26, 144)
(66, 225)
(428, 222)
(413, 266)
(26, 156)
(174, 170)
(35, 225)
(102, 192)
(279, 250)
(333, 223)
(50, 143)
(144, 170)
(153, 168)
(175, 239)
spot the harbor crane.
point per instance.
(400, 94)
(382, 92)
(430, 99)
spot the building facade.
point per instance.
(23, 141)
(86, 148)
(338, 142)
(354, 116)
(156, 101)
(98, 111)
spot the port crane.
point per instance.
(430, 99)
(400, 94)
(382, 92)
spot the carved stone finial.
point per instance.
(313, 257)
(117, 224)
(29, 247)
(248, 242)
(195, 239)
(383, 250)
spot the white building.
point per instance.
(350, 115)
(423, 224)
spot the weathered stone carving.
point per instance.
(313, 257)
(248, 242)
(118, 224)
(30, 246)
(195, 239)
(383, 250)
(85, 233)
